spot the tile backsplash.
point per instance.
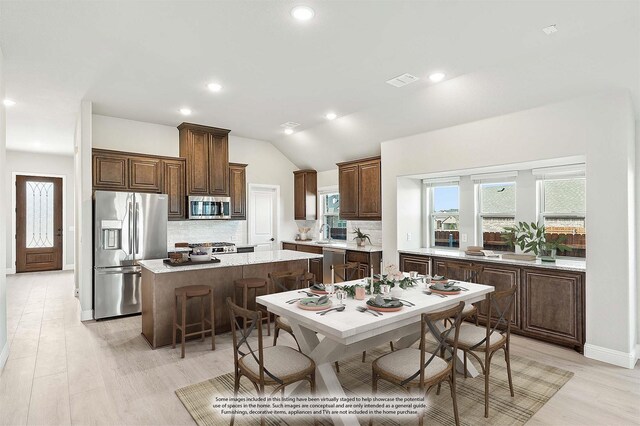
(202, 231)
(371, 227)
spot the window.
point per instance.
(563, 213)
(497, 210)
(444, 215)
(333, 227)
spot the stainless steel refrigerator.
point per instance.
(128, 227)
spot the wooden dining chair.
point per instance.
(415, 367)
(489, 339)
(277, 366)
(287, 281)
(471, 273)
(346, 272)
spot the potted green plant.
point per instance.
(361, 237)
(553, 246)
(531, 238)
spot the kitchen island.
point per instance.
(160, 280)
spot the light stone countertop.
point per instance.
(157, 266)
(559, 264)
(339, 245)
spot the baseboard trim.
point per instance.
(611, 356)
(11, 271)
(86, 315)
(637, 352)
(69, 267)
(4, 355)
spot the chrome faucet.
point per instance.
(321, 232)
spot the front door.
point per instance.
(263, 204)
(38, 223)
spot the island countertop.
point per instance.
(559, 264)
(157, 266)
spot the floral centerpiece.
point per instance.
(391, 276)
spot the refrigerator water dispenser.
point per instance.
(111, 234)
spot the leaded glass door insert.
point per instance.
(38, 223)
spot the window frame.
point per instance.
(431, 214)
(322, 192)
(478, 202)
(543, 214)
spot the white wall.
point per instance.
(39, 164)
(83, 217)
(638, 237)
(601, 128)
(134, 136)
(4, 344)
(328, 178)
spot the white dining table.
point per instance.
(350, 332)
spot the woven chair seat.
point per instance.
(468, 309)
(284, 324)
(403, 364)
(282, 361)
(471, 335)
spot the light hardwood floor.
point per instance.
(63, 371)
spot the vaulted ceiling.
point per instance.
(146, 60)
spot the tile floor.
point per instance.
(62, 371)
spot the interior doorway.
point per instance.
(38, 223)
(263, 216)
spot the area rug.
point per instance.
(534, 384)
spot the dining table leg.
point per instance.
(323, 352)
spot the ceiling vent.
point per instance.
(290, 124)
(402, 80)
(550, 29)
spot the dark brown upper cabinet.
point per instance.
(126, 171)
(175, 187)
(305, 194)
(207, 152)
(110, 170)
(360, 187)
(145, 174)
(238, 190)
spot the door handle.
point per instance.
(272, 239)
(131, 228)
(137, 237)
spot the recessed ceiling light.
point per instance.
(550, 29)
(214, 87)
(436, 77)
(288, 131)
(331, 116)
(302, 13)
(8, 102)
(185, 111)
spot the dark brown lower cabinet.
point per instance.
(555, 306)
(549, 304)
(502, 278)
(415, 263)
(366, 261)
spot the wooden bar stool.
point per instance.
(182, 294)
(245, 285)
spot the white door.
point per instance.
(263, 216)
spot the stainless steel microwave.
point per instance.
(209, 207)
